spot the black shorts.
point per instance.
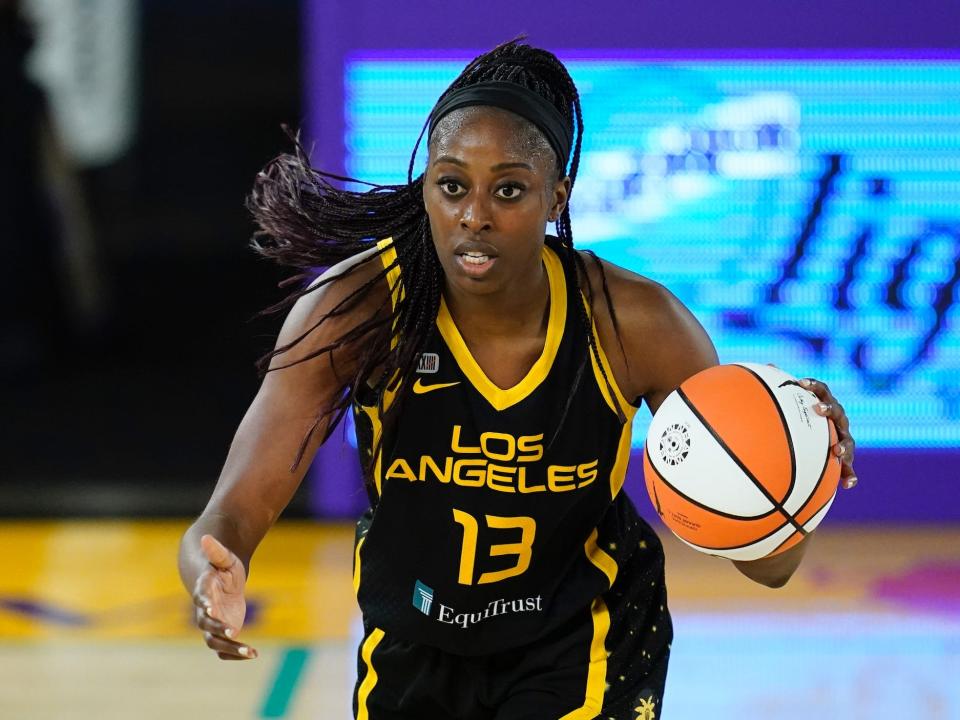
(609, 661)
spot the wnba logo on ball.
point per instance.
(675, 444)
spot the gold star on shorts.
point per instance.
(645, 709)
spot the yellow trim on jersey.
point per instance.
(628, 409)
(370, 679)
(376, 430)
(388, 257)
(619, 471)
(356, 566)
(597, 670)
(500, 398)
(599, 557)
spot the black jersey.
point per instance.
(489, 525)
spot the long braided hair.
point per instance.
(306, 222)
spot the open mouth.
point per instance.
(474, 258)
(475, 264)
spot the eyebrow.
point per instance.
(495, 168)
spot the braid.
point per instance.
(305, 222)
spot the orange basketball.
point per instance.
(738, 464)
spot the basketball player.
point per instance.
(493, 372)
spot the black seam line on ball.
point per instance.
(786, 431)
(730, 453)
(653, 481)
(823, 471)
(823, 468)
(819, 510)
(692, 501)
(751, 542)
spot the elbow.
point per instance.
(776, 582)
(771, 577)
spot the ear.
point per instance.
(561, 191)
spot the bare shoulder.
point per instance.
(343, 296)
(325, 333)
(660, 344)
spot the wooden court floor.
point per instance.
(94, 624)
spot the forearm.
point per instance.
(256, 482)
(775, 571)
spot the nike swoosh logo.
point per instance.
(419, 388)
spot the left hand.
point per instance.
(829, 407)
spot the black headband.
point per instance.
(517, 99)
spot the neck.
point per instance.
(511, 311)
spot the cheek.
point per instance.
(442, 217)
(532, 211)
(436, 211)
(436, 203)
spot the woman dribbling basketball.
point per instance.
(493, 372)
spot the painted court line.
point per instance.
(285, 682)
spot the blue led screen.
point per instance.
(806, 211)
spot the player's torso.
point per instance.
(487, 510)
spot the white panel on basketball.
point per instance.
(812, 523)
(706, 473)
(809, 431)
(764, 547)
(755, 551)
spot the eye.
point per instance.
(449, 186)
(510, 191)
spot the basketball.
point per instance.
(738, 464)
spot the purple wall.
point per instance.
(899, 486)
(334, 28)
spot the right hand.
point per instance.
(221, 606)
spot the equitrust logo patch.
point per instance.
(422, 597)
(424, 600)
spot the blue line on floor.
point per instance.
(285, 682)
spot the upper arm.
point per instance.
(260, 476)
(661, 343)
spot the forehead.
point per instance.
(500, 130)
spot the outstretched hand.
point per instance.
(221, 606)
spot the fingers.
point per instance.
(219, 637)
(205, 620)
(225, 656)
(202, 592)
(208, 615)
(827, 401)
(844, 449)
(229, 649)
(217, 553)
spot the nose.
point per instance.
(476, 214)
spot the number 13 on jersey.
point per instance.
(468, 551)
